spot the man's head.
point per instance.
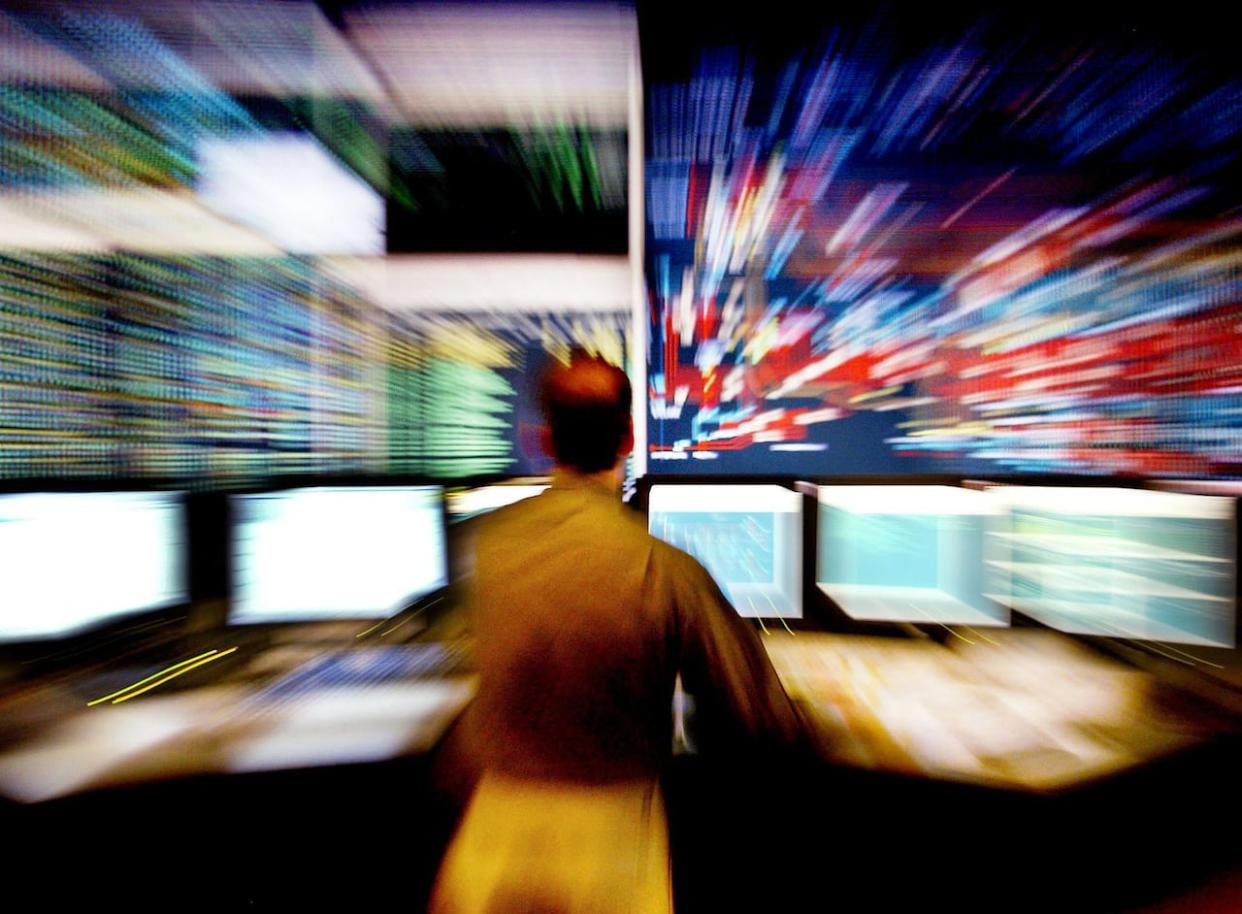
(586, 405)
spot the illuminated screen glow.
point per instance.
(748, 537)
(937, 243)
(473, 502)
(906, 554)
(289, 188)
(1117, 563)
(331, 553)
(69, 561)
(181, 184)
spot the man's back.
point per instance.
(583, 621)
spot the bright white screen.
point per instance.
(328, 553)
(72, 560)
(291, 190)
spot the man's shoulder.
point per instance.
(677, 561)
(606, 520)
(635, 524)
(626, 527)
(604, 517)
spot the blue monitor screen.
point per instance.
(906, 554)
(748, 537)
(737, 547)
(1118, 563)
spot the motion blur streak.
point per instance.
(1022, 233)
(91, 704)
(196, 199)
(170, 676)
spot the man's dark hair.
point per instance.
(587, 407)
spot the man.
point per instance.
(583, 622)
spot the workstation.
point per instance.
(317, 686)
(931, 320)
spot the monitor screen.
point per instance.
(938, 239)
(748, 536)
(473, 502)
(69, 561)
(905, 554)
(1121, 563)
(335, 553)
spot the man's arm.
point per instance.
(738, 697)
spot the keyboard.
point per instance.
(360, 668)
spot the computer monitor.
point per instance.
(748, 536)
(470, 503)
(323, 553)
(72, 561)
(905, 554)
(1122, 563)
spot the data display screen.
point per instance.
(748, 537)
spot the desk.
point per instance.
(199, 732)
(1021, 710)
